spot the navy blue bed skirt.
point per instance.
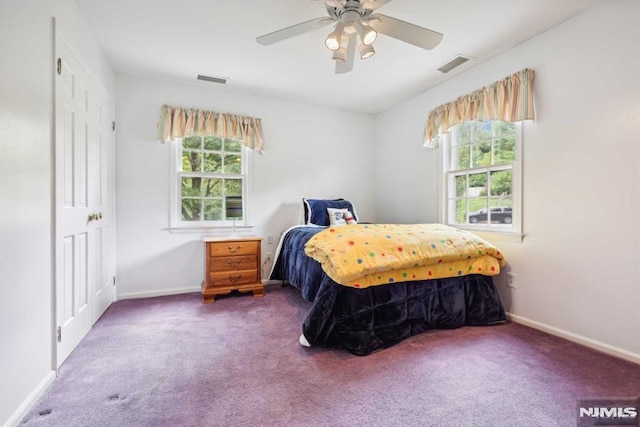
(362, 321)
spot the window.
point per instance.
(482, 176)
(207, 169)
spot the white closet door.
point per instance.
(84, 237)
(103, 200)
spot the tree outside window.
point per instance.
(211, 169)
(479, 163)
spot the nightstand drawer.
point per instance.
(233, 278)
(216, 249)
(244, 262)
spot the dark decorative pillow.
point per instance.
(315, 210)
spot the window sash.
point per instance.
(175, 190)
(489, 197)
(450, 196)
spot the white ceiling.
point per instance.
(179, 39)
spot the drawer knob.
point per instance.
(234, 279)
(236, 262)
(232, 249)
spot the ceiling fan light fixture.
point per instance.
(340, 55)
(357, 22)
(333, 39)
(369, 35)
(366, 33)
(366, 51)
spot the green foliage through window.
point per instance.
(212, 168)
(480, 174)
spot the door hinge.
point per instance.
(114, 280)
(59, 333)
(113, 125)
(59, 66)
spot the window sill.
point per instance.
(504, 236)
(242, 230)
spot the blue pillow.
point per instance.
(315, 210)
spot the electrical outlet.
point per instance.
(511, 280)
(268, 257)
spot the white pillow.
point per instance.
(340, 216)
(350, 218)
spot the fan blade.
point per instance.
(332, 3)
(346, 66)
(409, 33)
(366, 4)
(294, 30)
(373, 4)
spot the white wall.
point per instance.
(311, 152)
(581, 195)
(578, 266)
(26, 111)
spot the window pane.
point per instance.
(212, 143)
(213, 210)
(211, 187)
(504, 150)
(504, 128)
(460, 183)
(191, 161)
(232, 164)
(478, 210)
(233, 187)
(464, 133)
(206, 163)
(502, 202)
(232, 146)
(213, 162)
(191, 209)
(478, 184)
(194, 142)
(501, 183)
(480, 131)
(460, 157)
(476, 190)
(481, 154)
(458, 211)
(191, 187)
(501, 209)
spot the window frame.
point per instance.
(514, 233)
(176, 224)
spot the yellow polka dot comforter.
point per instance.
(363, 255)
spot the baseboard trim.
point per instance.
(579, 339)
(176, 291)
(27, 404)
(164, 292)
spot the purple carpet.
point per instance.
(173, 361)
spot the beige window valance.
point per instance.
(509, 100)
(178, 122)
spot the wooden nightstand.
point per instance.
(231, 264)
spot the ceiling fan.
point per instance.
(356, 25)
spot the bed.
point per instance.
(374, 307)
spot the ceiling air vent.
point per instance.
(220, 80)
(456, 62)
